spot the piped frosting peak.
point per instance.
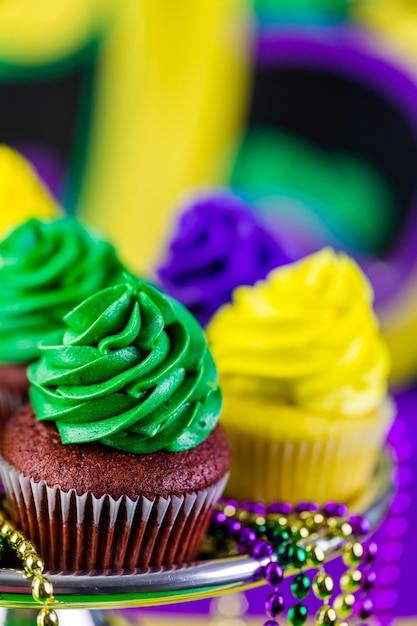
(132, 370)
(307, 336)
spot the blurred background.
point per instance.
(305, 109)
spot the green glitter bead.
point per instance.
(259, 529)
(218, 533)
(277, 535)
(291, 554)
(300, 586)
(284, 552)
(298, 556)
(297, 615)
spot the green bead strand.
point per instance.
(300, 586)
(297, 615)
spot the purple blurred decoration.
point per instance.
(49, 165)
(347, 51)
(219, 244)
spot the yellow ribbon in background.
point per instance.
(170, 98)
(22, 195)
(169, 88)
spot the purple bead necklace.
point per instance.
(290, 539)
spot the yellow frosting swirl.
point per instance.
(306, 336)
(22, 194)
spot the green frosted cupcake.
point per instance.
(120, 461)
(46, 268)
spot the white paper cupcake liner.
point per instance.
(337, 466)
(81, 532)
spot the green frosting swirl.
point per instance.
(46, 268)
(133, 371)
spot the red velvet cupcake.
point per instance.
(120, 462)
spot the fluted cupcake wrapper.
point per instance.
(81, 532)
(338, 466)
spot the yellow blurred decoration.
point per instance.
(169, 107)
(167, 101)
(45, 31)
(393, 20)
(22, 194)
(399, 329)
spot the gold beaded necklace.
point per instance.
(32, 567)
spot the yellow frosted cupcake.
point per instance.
(304, 375)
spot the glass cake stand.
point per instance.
(146, 587)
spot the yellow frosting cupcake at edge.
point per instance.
(304, 376)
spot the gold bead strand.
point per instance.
(33, 566)
(352, 579)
